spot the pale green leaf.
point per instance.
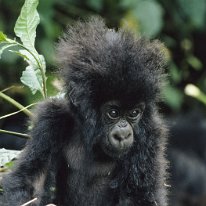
(29, 58)
(175, 73)
(6, 46)
(26, 24)
(19, 54)
(128, 3)
(150, 16)
(173, 97)
(95, 4)
(33, 79)
(194, 10)
(42, 62)
(195, 62)
(7, 155)
(32, 72)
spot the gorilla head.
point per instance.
(110, 78)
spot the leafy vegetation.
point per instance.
(25, 28)
(180, 24)
(34, 75)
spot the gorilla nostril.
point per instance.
(128, 136)
(117, 137)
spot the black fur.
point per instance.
(99, 65)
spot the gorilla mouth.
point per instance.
(101, 153)
(113, 151)
(121, 146)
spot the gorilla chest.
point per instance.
(85, 190)
(88, 180)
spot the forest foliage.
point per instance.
(180, 24)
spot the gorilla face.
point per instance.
(118, 122)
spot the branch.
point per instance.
(4, 90)
(21, 110)
(40, 68)
(16, 104)
(25, 136)
(31, 201)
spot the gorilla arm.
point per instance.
(47, 140)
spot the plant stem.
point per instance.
(202, 98)
(44, 90)
(4, 90)
(16, 104)
(40, 67)
(21, 110)
(25, 136)
(29, 202)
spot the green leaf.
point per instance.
(20, 54)
(9, 164)
(5, 47)
(30, 59)
(32, 72)
(33, 79)
(95, 4)
(173, 97)
(195, 62)
(128, 3)
(130, 22)
(7, 155)
(26, 24)
(3, 37)
(34, 75)
(150, 16)
(194, 10)
(42, 62)
(175, 73)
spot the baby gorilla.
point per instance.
(103, 144)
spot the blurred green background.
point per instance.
(180, 24)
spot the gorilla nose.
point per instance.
(121, 137)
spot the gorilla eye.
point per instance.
(113, 114)
(134, 114)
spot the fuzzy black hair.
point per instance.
(101, 64)
(71, 146)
